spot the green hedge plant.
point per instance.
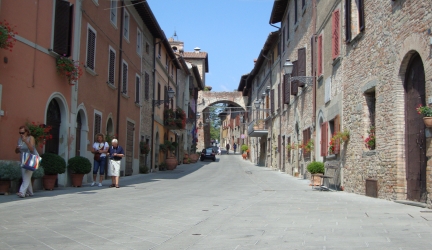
(53, 164)
(10, 170)
(315, 167)
(79, 165)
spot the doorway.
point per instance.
(415, 146)
(53, 120)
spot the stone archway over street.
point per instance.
(209, 98)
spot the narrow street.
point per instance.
(227, 204)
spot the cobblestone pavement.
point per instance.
(227, 204)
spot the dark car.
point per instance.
(208, 153)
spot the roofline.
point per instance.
(278, 11)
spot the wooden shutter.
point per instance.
(348, 20)
(301, 65)
(91, 49)
(147, 86)
(279, 96)
(279, 144)
(336, 130)
(320, 64)
(286, 87)
(63, 28)
(312, 61)
(335, 34)
(272, 96)
(324, 139)
(294, 84)
(125, 77)
(360, 6)
(306, 139)
(137, 89)
(111, 67)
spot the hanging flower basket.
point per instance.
(69, 68)
(7, 36)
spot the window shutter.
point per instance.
(111, 70)
(360, 6)
(278, 96)
(335, 34)
(91, 46)
(286, 87)
(294, 84)
(320, 64)
(63, 28)
(301, 65)
(272, 96)
(147, 86)
(306, 139)
(137, 89)
(324, 139)
(312, 61)
(336, 130)
(124, 82)
(348, 20)
(97, 124)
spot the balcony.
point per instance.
(174, 119)
(257, 128)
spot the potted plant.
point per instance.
(9, 171)
(171, 162)
(144, 148)
(53, 165)
(370, 139)
(40, 132)
(69, 68)
(7, 36)
(315, 168)
(309, 146)
(193, 157)
(244, 147)
(143, 169)
(78, 166)
(162, 166)
(426, 111)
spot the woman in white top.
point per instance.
(100, 147)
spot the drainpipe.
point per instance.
(314, 81)
(120, 70)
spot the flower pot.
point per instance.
(4, 186)
(427, 121)
(316, 180)
(193, 158)
(77, 180)
(49, 181)
(171, 163)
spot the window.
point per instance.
(137, 88)
(147, 48)
(369, 112)
(139, 42)
(146, 86)
(334, 128)
(166, 62)
(295, 11)
(111, 66)
(327, 90)
(159, 50)
(335, 34)
(124, 77)
(354, 18)
(91, 48)
(272, 99)
(324, 139)
(159, 92)
(278, 96)
(113, 11)
(289, 148)
(97, 123)
(63, 28)
(126, 21)
(320, 52)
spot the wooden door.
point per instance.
(415, 146)
(53, 120)
(129, 148)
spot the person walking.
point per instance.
(100, 148)
(116, 153)
(235, 147)
(227, 148)
(219, 150)
(26, 144)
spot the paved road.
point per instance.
(227, 204)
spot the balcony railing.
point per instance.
(257, 128)
(174, 119)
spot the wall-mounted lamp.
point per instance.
(170, 96)
(288, 68)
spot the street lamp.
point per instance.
(170, 96)
(288, 68)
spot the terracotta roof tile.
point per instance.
(195, 55)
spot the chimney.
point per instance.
(197, 50)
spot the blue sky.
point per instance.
(232, 32)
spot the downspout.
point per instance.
(120, 70)
(314, 81)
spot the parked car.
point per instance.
(208, 153)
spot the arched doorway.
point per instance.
(415, 146)
(53, 120)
